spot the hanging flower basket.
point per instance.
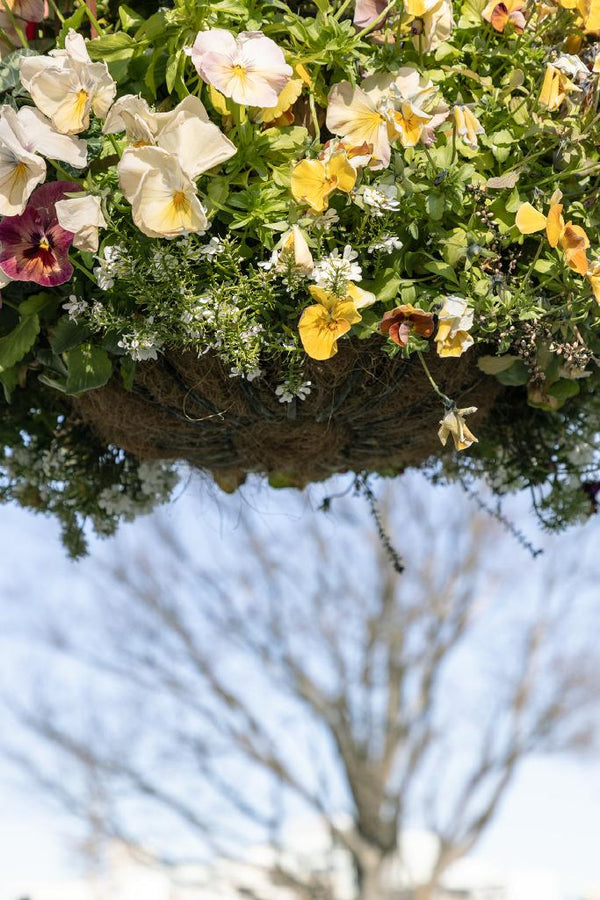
(298, 239)
(365, 412)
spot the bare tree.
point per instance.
(212, 701)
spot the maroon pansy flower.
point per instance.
(33, 246)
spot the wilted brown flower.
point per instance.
(399, 322)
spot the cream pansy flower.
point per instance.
(24, 135)
(432, 25)
(66, 85)
(186, 131)
(251, 69)
(82, 216)
(454, 321)
(453, 424)
(163, 197)
(382, 109)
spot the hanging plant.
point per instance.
(298, 239)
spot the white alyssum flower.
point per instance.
(387, 243)
(380, 199)
(333, 272)
(214, 247)
(141, 347)
(112, 264)
(74, 307)
(326, 221)
(251, 375)
(289, 391)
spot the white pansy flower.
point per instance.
(82, 216)
(66, 85)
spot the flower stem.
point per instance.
(378, 20)
(448, 403)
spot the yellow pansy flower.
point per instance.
(572, 239)
(454, 424)
(455, 319)
(327, 320)
(409, 122)
(593, 276)
(313, 180)
(286, 99)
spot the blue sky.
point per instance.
(550, 819)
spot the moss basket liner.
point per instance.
(366, 411)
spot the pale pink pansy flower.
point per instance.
(82, 216)
(33, 246)
(250, 69)
(66, 85)
(163, 197)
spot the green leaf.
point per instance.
(75, 21)
(35, 303)
(514, 376)
(470, 14)
(129, 18)
(127, 369)
(437, 267)
(563, 389)
(385, 285)
(89, 367)
(9, 69)
(9, 380)
(68, 334)
(435, 206)
(493, 365)
(21, 339)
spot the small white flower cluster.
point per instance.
(111, 265)
(156, 484)
(387, 243)
(380, 199)
(251, 375)
(289, 391)
(333, 272)
(75, 307)
(141, 346)
(326, 220)
(213, 248)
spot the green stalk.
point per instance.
(448, 403)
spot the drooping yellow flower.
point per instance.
(467, 125)
(590, 13)
(313, 180)
(455, 319)
(322, 324)
(555, 88)
(572, 239)
(454, 424)
(293, 250)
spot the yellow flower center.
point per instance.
(44, 243)
(80, 101)
(179, 201)
(239, 72)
